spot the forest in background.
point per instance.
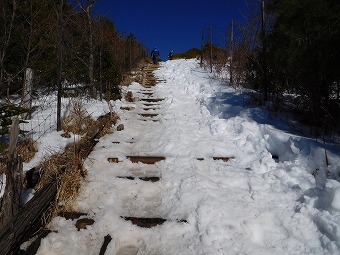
(63, 41)
(284, 49)
(288, 50)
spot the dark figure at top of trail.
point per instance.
(155, 55)
(171, 54)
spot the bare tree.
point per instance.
(86, 6)
(60, 60)
(6, 37)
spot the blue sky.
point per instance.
(168, 25)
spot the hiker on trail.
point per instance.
(171, 53)
(155, 55)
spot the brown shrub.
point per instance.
(78, 121)
(27, 149)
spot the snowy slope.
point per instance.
(251, 204)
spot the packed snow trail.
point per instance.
(250, 204)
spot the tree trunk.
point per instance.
(100, 66)
(60, 62)
(91, 57)
(264, 53)
(3, 51)
(88, 10)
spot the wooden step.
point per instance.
(148, 109)
(145, 159)
(148, 222)
(152, 99)
(151, 104)
(225, 159)
(127, 108)
(151, 115)
(146, 179)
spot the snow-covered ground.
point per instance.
(252, 204)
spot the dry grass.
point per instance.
(109, 120)
(78, 121)
(127, 80)
(27, 149)
(67, 167)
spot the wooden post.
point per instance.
(100, 64)
(264, 53)
(10, 202)
(27, 92)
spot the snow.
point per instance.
(252, 204)
(42, 125)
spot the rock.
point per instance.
(66, 135)
(120, 127)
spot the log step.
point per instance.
(113, 160)
(152, 99)
(225, 159)
(150, 104)
(149, 120)
(151, 115)
(148, 222)
(145, 159)
(148, 109)
(127, 108)
(146, 179)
